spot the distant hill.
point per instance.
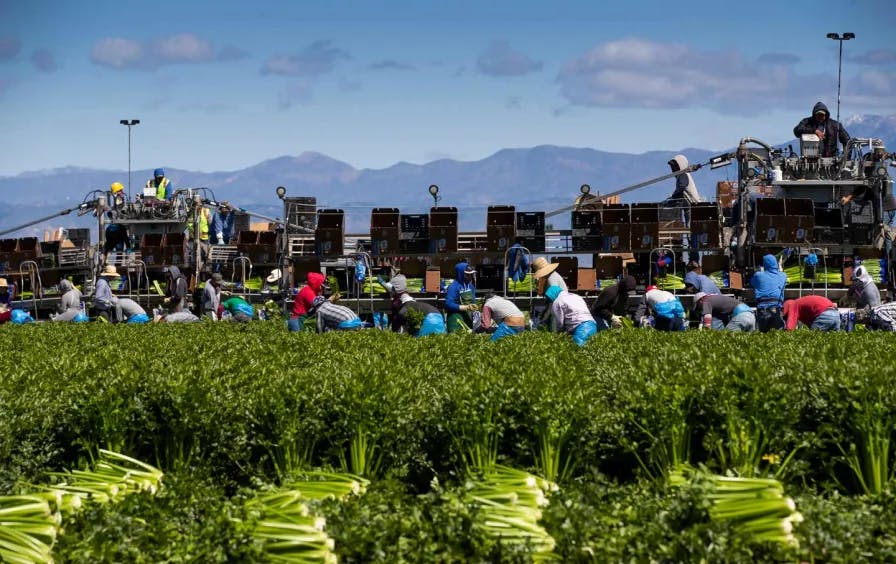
(533, 179)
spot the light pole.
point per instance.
(434, 192)
(129, 123)
(841, 39)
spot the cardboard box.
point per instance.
(587, 279)
(433, 280)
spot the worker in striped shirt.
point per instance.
(333, 317)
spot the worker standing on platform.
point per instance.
(164, 187)
(222, 224)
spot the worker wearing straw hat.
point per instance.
(103, 300)
(545, 275)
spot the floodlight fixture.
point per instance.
(584, 189)
(281, 192)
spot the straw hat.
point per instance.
(4, 283)
(110, 271)
(275, 276)
(542, 267)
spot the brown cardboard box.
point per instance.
(433, 280)
(587, 279)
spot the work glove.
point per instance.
(220, 238)
(616, 322)
(166, 300)
(645, 322)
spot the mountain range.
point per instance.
(540, 178)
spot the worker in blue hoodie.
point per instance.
(768, 285)
(460, 298)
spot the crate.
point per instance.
(490, 277)
(530, 231)
(616, 238)
(414, 235)
(645, 236)
(586, 231)
(329, 237)
(385, 231)
(500, 228)
(443, 230)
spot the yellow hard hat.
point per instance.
(116, 187)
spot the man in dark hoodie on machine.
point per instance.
(828, 130)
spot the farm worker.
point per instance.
(505, 315)
(179, 317)
(829, 131)
(402, 303)
(222, 224)
(768, 285)
(240, 310)
(128, 310)
(302, 303)
(70, 303)
(882, 317)
(815, 312)
(613, 302)
(545, 275)
(863, 290)
(163, 186)
(333, 317)
(571, 315)
(103, 300)
(460, 297)
(5, 301)
(211, 296)
(724, 312)
(6, 293)
(176, 289)
(204, 220)
(695, 281)
(685, 192)
(667, 311)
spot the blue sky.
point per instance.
(221, 85)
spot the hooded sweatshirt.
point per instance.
(863, 289)
(701, 283)
(833, 130)
(71, 296)
(177, 285)
(769, 284)
(306, 295)
(684, 183)
(612, 300)
(452, 295)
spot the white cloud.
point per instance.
(639, 73)
(390, 64)
(297, 93)
(316, 59)
(500, 59)
(184, 48)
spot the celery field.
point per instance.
(245, 443)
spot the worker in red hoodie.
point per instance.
(304, 299)
(815, 312)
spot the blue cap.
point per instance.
(158, 172)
